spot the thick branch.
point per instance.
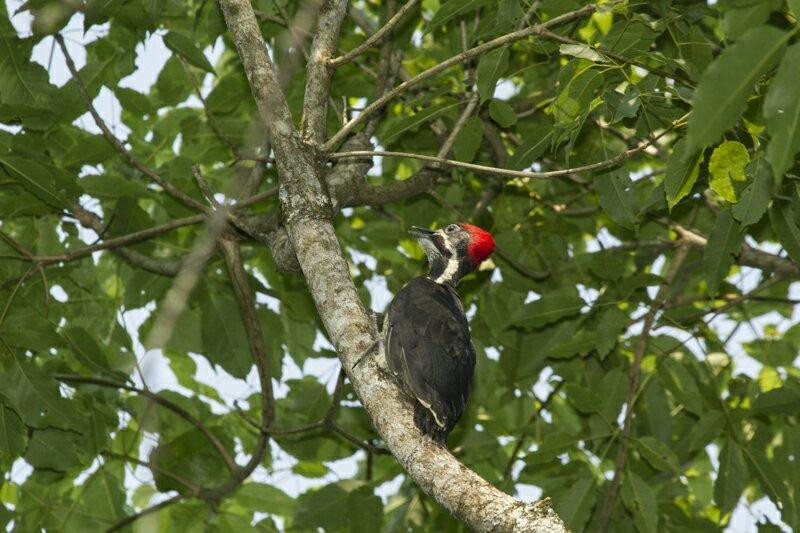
(334, 141)
(319, 71)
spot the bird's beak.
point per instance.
(421, 233)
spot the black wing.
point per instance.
(428, 347)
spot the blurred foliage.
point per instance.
(705, 437)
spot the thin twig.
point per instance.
(168, 404)
(252, 326)
(494, 171)
(152, 509)
(521, 441)
(658, 302)
(375, 38)
(678, 75)
(194, 489)
(131, 238)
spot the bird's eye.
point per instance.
(451, 228)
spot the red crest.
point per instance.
(481, 245)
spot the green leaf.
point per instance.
(782, 112)
(102, 501)
(392, 129)
(533, 146)
(185, 46)
(740, 18)
(658, 454)
(322, 508)
(13, 434)
(794, 7)
(33, 395)
(502, 113)
(574, 507)
(34, 178)
(726, 165)
(86, 348)
(784, 223)
(452, 9)
(723, 90)
(223, 333)
(583, 51)
(732, 476)
(52, 449)
(584, 400)
(641, 502)
(608, 329)
(468, 140)
(98, 11)
(783, 400)
(553, 445)
(756, 196)
(190, 456)
(723, 243)
(364, 510)
(706, 429)
(547, 309)
(490, 67)
(615, 191)
(265, 498)
(683, 168)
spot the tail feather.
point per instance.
(426, 423)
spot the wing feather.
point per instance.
(428, 347)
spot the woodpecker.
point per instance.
(427, 338)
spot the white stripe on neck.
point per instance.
(451, 269)
(449, 272)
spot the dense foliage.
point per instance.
(635, 330)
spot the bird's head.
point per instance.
(454, 251)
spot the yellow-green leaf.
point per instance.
(727, 165)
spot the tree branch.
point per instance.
(658, 302)
(116, 242)
(319, 71)
(194, 489)
(255, 337)
(150, 510)
(116, 143)
(375, 38)
(334, 141)
(503, 172)
(163, 402)
(748, 256)
(162, 267)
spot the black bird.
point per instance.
(428, 344)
